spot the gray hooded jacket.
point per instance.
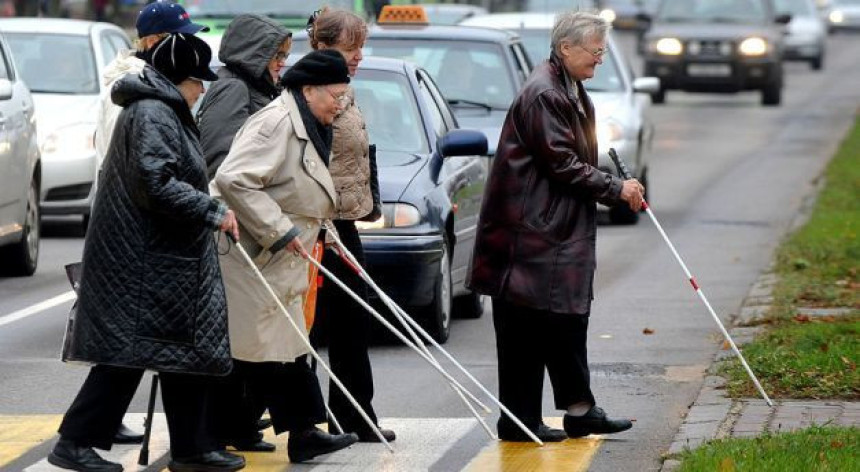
(244, 85)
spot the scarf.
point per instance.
(320, 134)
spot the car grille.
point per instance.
(709, 48)
(69, 192)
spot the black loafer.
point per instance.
(305, 445)
(368, 436)
(264, 423)
(212, 461)
(511, 432)
(251, 445)
(67, 455)
(126, 436)
(594, 422)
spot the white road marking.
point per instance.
(39, 307)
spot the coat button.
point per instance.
(292, 264)
(309, 226)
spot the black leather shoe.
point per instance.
(305, 445)
(594, 422)
(126, 436)
(263, 423)
(511, 432)
(251, 445)
(212, 461)
(368, 436)
(67, 455)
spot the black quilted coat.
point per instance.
(151, 294)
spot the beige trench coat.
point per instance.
(276, 182)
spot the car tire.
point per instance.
(817, 63)
(24, 255)
(470, 306)
(85, 223)
(438, 316)
(771, 94)
(659, 97)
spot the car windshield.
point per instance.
(55, 63)
(606, 76)
(553, 6)
(716, 11)
(795, 7)
(204, 8)
(465, 71)
(388, 105)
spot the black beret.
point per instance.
(180, 56)
(323, 67)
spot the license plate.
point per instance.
(709, 70)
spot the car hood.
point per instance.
(706, 30)
(396, 170)
(488, 122)
(55, 111)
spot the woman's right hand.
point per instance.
(230, 224)
(295, 245)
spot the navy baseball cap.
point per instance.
(165, 16)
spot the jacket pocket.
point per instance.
(169, 298)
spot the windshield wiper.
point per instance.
(460, 101)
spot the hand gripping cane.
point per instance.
(430, 361)
(350, 261)
(307, 342)
(622, 171)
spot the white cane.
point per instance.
(409, 343)
(622, 171)
(350, 260)
(308, 343)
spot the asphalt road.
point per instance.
(727, 179)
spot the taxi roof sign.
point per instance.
(403, 14)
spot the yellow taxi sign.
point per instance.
(403, 14)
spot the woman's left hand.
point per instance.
(295, 245)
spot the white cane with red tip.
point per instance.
(622, 171)
(432, 341)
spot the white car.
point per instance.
(806, 33)
(20, 174)
(620, 99)
(843, 15)
(62, 63)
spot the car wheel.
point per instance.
(469, 306)
(771, 95)
(85, 223)
(817, 62)
(24, 254)
(438, 317)
(659, 97)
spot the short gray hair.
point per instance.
(578, 27)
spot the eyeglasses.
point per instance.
(340, 98)
(281, 56)
(599, 52)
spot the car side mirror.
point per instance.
(5, 89)
(782, 19)
(649, 85)
(463, 142)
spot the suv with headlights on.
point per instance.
(718, 46)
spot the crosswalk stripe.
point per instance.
(421, 443)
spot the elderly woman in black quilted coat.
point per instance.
(151, 294)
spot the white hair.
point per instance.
(578, 27)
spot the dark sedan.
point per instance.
(431, 179)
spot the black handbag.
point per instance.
(73, 272)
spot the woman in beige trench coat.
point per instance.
(275, 177)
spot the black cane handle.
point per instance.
(619, 164)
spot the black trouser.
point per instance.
(238, 407)
(97, 411)
(348, 327)
(290, 390)
(529, 340)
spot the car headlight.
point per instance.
(70, 140)
(608, 131)
(394, 215)
(753, 46)
(669, 46)
(836, 16)
(608, 15)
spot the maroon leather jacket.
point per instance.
(535, 244)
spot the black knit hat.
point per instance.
(181, 56)
(323, 67)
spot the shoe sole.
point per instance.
(305, 458)
(58, 461)
(173, 467)
(581, 432)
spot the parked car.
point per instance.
(716, 46)
(20, 172)
(478, 70)
(806, 36)
(62, 62)
(627, 14)
(620, 99)
(843, 15)
(217, 14)
(431, 179)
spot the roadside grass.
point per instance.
(815, 449)
(803, 356)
